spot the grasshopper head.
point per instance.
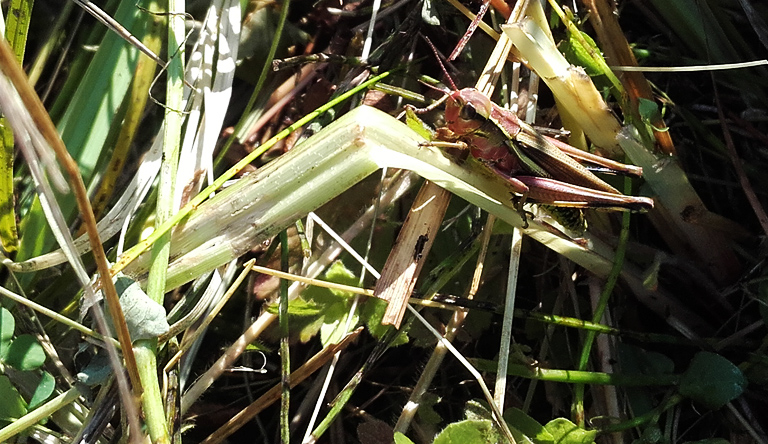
(467, 110)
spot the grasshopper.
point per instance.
(540, 169)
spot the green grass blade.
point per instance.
(89, 117)
(8, 233)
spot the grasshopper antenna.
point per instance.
(439, 60)
(470, 30)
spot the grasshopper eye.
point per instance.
(468, 112)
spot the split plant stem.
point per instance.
(130, 255)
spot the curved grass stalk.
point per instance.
(130, 255)
(261, 204)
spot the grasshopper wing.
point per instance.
(557, 165)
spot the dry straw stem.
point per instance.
(398, 277)
(679, 213)
(273, 394)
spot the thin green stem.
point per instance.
(579, 377)
(146, 350)
(337, 405)
(652, 416)
(151, 400)
(306, 249)
(602, 304)
(171, 146)
(56, 316)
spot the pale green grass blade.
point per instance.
(87, 120)
(214, 58)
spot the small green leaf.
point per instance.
(334, 305)
(712, 380)
(341, 275)
(426, 412)
(528, 426)
(580, 49)
(333, 332)
(7, 326)
(12, 406)
(415, 123)
(298, 307)
(43, 391)
(756, 369)
(469, 431)
(566, 432)
(97, 371)
(636, 361)
(651, 434)
(648, 109)
(588, 57)
(25, 353)
(402, 439)
(650, 112)
(373, 312)
(475, 409)
(145, 317)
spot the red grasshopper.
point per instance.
(541, 169)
